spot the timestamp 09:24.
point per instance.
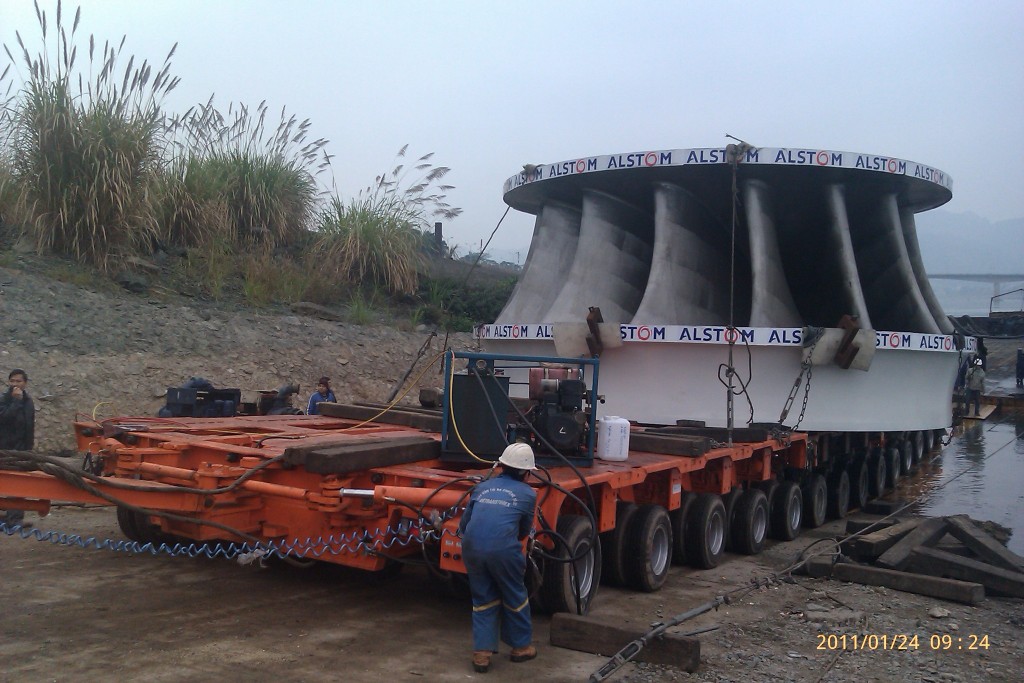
(901, 641)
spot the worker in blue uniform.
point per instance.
(498, 517)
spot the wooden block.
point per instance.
(870, 546)
(819, 567)
(995, 580)
(739, 434)
(669, 444)
(854, 526)
(947, 589)
(587, 634)
(417, 420)
(983, 545)
(363, 454)
(927, 533)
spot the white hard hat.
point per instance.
(518, 455)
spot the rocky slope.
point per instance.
(103, 352)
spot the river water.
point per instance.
(980, 474)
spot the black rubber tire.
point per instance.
(788, 513)
(815, 493)
(648, 549)
(860, 487)
(893, 464)
(839, 494)
(613, 544)
(730, 500)
(706, 531)
(138, 528)
(557, 594)
(750, 522)
(678, 518)
(916, 441)
(876, 473)
(126, 520)
(906, 455)
(770, 487)
(929, 441)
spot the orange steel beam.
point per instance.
(43, 487)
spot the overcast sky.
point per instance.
(489, 86)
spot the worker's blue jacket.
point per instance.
(499, 515)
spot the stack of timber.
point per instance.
(952, 558)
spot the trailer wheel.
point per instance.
(126, 520)
(750, 522)
(706, 531)
(138, 528)
(562, 576)
(929, 441)
(788, 512)
(916, 441)
(770, 488)
(730, 499)
(648, 549)
(876, 473)
(859, 486)
(613, 545)
(906, 455)
(839, 494)
(892, 468)
(815, 501)
(678, 518)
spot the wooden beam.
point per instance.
(984, 546)
(995, 580)
(854, 526)
(692, 446)
(395, 416)
(364, 454)
(947, 589)
(927, 533)
(869, 546)
(586, 634)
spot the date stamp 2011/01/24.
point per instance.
(902, 641)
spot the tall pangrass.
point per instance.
(378, 236)
(262, 182)
(83, 151)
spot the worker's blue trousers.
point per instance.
(496, 581)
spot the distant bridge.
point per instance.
(997, 279)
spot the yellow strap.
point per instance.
(520, 608)
(486, 606)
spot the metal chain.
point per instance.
(807, 390)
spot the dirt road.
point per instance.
(73, 614)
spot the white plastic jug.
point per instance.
(613, 438)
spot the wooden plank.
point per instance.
(819, 567)
(854, 526)
(739, 434)
(948, 589)
(692, 446)
(927, 533)
(995, 580)
(986, 412)
(870, 546)
(364, 454)
(984, 546)
(586, 634)
(395, 416)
